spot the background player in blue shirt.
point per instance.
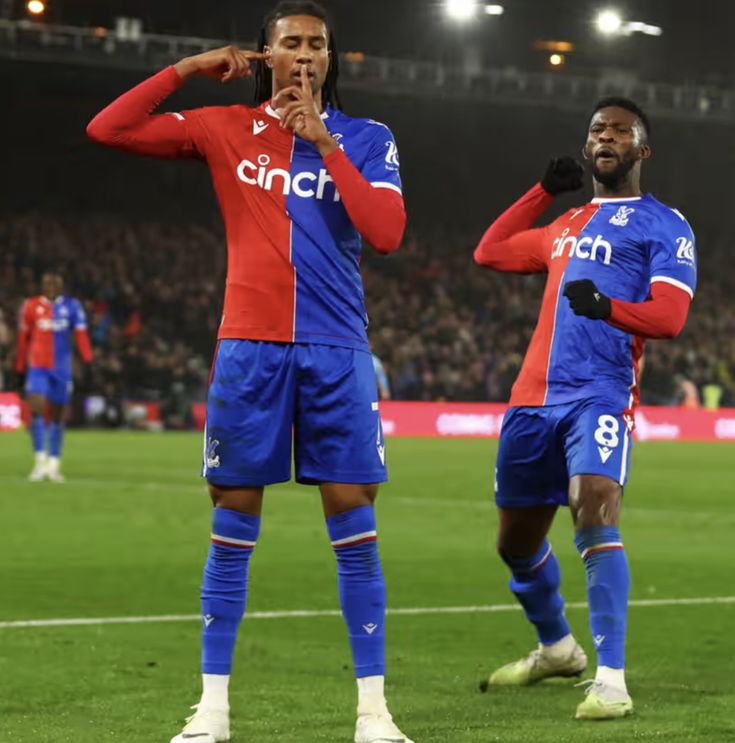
(621, 269)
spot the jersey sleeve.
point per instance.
(25, 328)
(80, 332)
(672, 253)
(381, 169)
(80, 316)
(129, 123)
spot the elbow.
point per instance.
(389, 240)
(672, 331)
(385, 244)
(94, 132)
(482, 257)
(98, 132)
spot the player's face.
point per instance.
(50, 286)
(616, 142)
(298, 41)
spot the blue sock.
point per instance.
(535, 583)
(361, 587)
(608, 581)
(55, 439)
(224, 587)
(38, 433)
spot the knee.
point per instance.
(244, 500)
(215, 494)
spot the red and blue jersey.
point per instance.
(45, 334)
(293, 249)
(293, 252)
(625, 246)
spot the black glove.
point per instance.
(562, 174)
(585, 299)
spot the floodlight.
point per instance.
(461, 10)
(36, 7)
(609, 22)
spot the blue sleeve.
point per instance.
(381, 168)
(672, 253)
(80, 317)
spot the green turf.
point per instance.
(128, 533)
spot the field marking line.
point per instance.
(318, 613)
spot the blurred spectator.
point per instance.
(442, 328)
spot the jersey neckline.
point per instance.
(614, 199)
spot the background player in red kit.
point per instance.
(299, 183)
(45, 350)
(621, 268)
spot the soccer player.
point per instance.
(299, 183)
(47, 324)
(621, 268)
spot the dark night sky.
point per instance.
(696, 45)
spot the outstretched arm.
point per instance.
(128, 123)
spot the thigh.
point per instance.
(250, 412)
(597, 441)
(338, 435)
(531, 470)
(60, 389)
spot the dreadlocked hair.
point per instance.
(263, 73)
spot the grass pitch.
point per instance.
(126, 536)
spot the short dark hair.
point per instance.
(263, 74)
(628, 105)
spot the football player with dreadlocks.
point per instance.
(299, 184)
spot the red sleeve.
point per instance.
(661, 316)
(127, 122)
(25, 327)
(378, 214)
(83, 345)
(509, 243)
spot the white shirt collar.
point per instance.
(603, 200)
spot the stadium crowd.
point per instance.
(444, 328)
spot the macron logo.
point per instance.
(370, 628)
(605, 453)
(598, 640)
(208, 619)
(258, 127)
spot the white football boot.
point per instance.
(603, 702)
(38, 472)
(378, 728)
(536, 666)
(206, 725)
(53, 470)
